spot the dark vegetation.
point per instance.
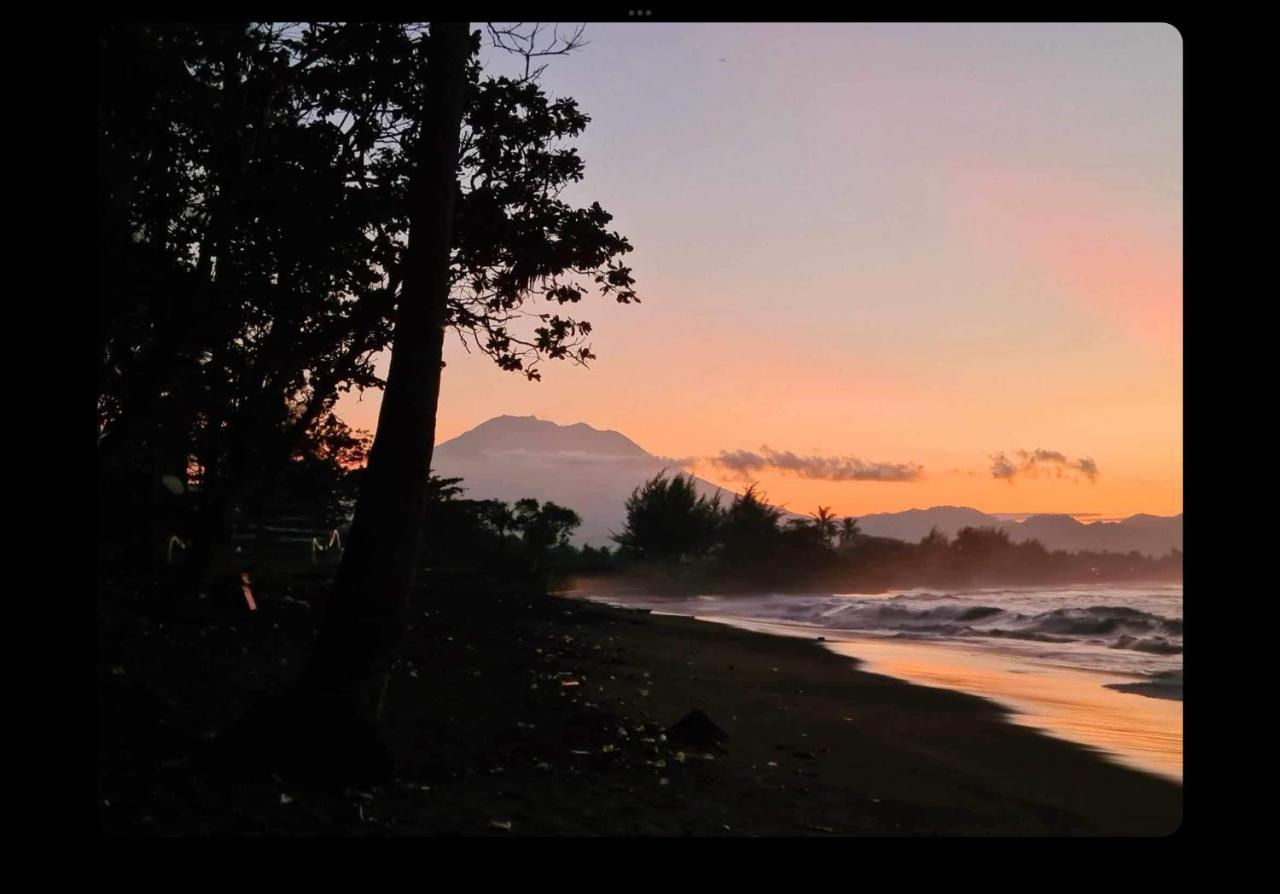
(688, 541)
(278, 204)
(254, 215)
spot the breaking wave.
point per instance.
(1136, 631)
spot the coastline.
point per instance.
(1091, 708)
(1126, 711)
(922, 748)
(533, 715)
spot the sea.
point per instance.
(1098, 664)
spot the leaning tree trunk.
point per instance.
(367, 610)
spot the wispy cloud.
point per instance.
(1002, 468)
(1034, 463)
(744, 463)
(678, 462)
(524, 456)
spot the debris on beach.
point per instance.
(697, 730)
(247, 590)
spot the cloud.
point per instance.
(523, 456)
(1002, 468)
(1036, 462)
(1048, 456)
(526, 457)
(744, 463)
(1088, 467)
(678, 462)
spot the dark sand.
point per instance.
(489, 741)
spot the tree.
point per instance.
(278, 205)
(667, 520)
(543, 527)
(935, 541)
(253, 235)
(825, 522)
(849, 532)
(978, 544)
(749, 529)
(801, 539)
(443, 490)
(500, 517)
(367, 610)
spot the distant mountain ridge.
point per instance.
(593, 471)
(1151, 534)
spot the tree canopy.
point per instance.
(667, 519)
(253, 207)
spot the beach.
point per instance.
(1096, 664)
(521, 714)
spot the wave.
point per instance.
(1167, 684)
(1156, 645)
(939, 615)
(1131, 632)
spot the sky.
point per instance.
(880, 265)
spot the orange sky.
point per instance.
(902, 243)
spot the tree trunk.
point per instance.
(367, 610)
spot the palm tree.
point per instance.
(849, 532)
(825, 522)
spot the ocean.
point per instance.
(1100, 665)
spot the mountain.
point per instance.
(531, 434)
(589, 470)
(914, 524)
(593, 472)
(1151, 534)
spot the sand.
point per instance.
(515, 714)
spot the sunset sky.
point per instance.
(907, 245)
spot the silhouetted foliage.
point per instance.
(544, 525)
(253, 195)
(824, 522)
(935, 540)
(367, 612)
(749, 529)
(752, 551)
(849, 531)
(666, 519)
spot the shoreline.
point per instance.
(532, 715)
(929, 746)
(1069, 704)
(1129, 718)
